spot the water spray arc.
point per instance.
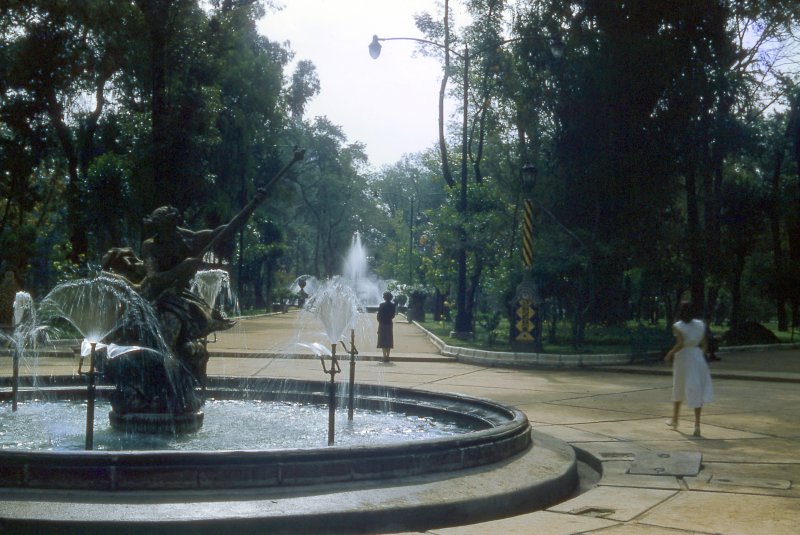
(210, 284)
(335, 305)
(96, 308)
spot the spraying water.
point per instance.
(210, 284)
(101, 306)
(23, 308)
(24, 342)
(335, 305)
(367, 287)
(310, 286)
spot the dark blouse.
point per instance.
(386, 312)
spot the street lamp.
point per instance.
(525, 332)
(463, 320)
(375, 47)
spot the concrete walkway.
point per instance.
(750, 450)
(740, 477)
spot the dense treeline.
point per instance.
(109, 109)
(667, 144)
(666, 141)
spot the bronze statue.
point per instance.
(170, 257)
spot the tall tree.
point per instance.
(61, 60)
(333, 193)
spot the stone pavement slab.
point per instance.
(659, 463)
(614, 503)
(540, 523)
(769, 479)
(723, 512)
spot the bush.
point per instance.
(750, 333)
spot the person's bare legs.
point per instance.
(676, 410)
(697, 412)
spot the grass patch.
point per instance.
(598, 339)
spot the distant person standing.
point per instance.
(711, 342)
(386, 313)
(691, 380)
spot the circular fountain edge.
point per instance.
(505, 433)
(542, 476)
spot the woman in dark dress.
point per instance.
(386, 312)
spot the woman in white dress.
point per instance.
(691, 380)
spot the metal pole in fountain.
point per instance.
(22, 318)
(353, 352)
(334, 369)
(15, 378)
(91, 391)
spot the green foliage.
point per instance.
(634, 156)
(108, 109)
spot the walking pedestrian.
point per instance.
(691, 380)
(711, 342)
(386, 313)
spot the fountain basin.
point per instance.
(501, 433)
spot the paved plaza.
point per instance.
(747, 463)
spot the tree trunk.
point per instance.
(77, 232)
(552, 336)
(155, 190)
(736, 293)
(472, 290)
(713, 236)
(262, 285)
(694, 240)
(775, 230)
(448, 177)
(794, 233)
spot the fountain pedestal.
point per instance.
(156, 423)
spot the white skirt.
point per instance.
(691, 379)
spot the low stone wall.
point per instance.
(553, 360)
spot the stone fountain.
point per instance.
(239, 489)
(145, 338)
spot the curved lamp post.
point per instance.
(463, 320)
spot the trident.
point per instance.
(353, 352)
(334, 369)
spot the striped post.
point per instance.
(525, 320)
(527, 235)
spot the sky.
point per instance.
(389, 104)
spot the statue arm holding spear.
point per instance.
(174, 254)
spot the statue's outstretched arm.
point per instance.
(239, 219)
